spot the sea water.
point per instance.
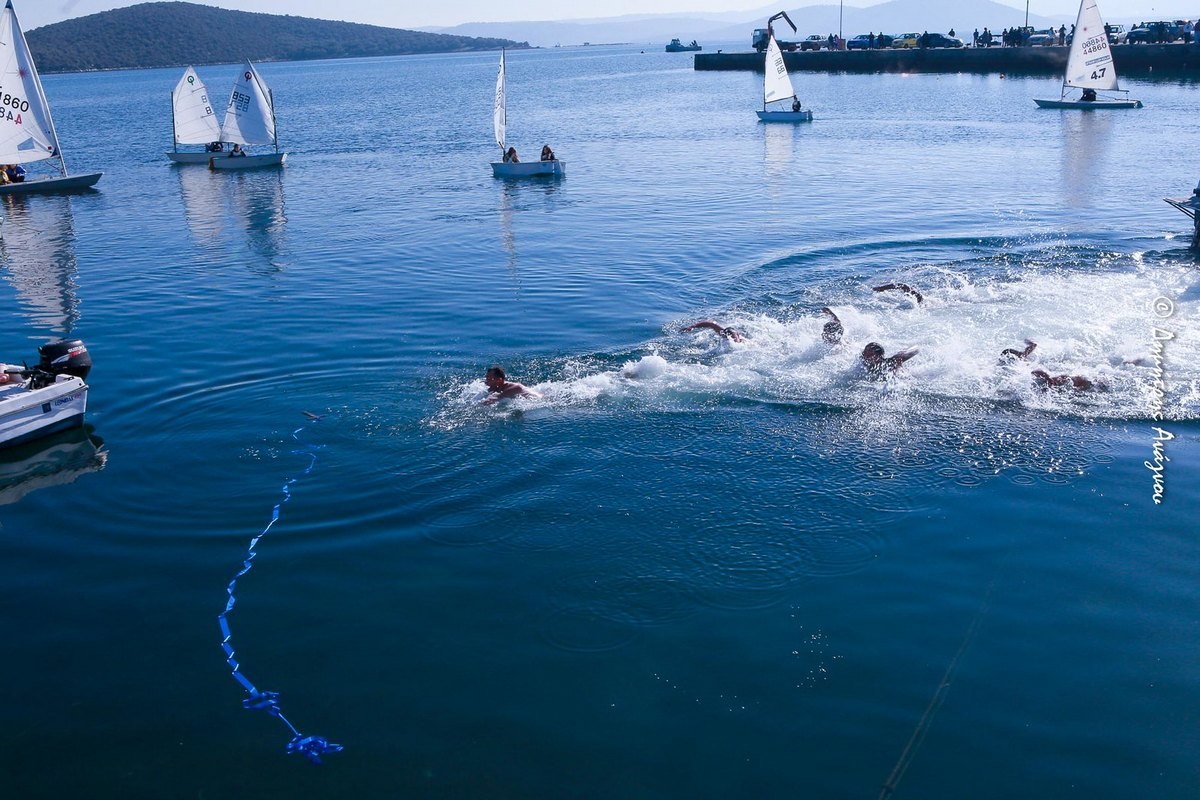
(691, 568)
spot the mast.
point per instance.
(274, 126)
(174, 130)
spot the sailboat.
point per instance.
(193, 119)
(777, 86)
(1090, 66)
(26, 128)
(516, 169)
(250, 119)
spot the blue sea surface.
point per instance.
(691, 568)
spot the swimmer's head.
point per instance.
(495, 376)
(873, 353)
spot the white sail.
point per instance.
(1090, 64)
(26, 129)
(498, 118)
(195, 121)
(776, 83)
(250, 118)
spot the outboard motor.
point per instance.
(68, 357)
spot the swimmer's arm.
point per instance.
(903, 287)
(705, 323)
(903, 355)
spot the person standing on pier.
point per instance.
(975, 38)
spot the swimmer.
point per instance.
(902, 287)
(1044, 380)
(833, 330)
(1011, 352)
(499, 388)
(879, 367)
(728, 333)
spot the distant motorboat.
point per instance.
(516, 169)
(249, 120)
(26, 128)
(777, 87)
(1090, 66)
(676, 47)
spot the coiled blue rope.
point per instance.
(311, 747)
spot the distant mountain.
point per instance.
(177, 34)
(896, 16)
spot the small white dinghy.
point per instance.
(47, 398)
(250, 119)
(1090, 66)
(193, 120)
(505, 168)
(777, 87)
(26, 127)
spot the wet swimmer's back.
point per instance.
(500, 388)
(833, 330)
(877, 366)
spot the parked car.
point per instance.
(942, 40)
(906, 40)
(1042, 39)
(865, 41)
(814, 42)
(1116, 34)
(1153, 32)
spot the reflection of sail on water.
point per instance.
(38, 257)
(203, 205)
(1085, 144)
(779, 173)
(216, 205)
(257, 199)
(506, 227)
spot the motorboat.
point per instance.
(678, 47)
(47, 398)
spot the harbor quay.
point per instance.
(1129, 60)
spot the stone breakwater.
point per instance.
(1139, 59)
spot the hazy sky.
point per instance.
(415, 13)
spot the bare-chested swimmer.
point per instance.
(833, 330)
(879, 367)
(901, 287)
(500, 388)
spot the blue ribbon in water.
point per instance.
(311, 747)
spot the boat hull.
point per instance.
(784, 116)
(194, 158)
(70, 183)
(27, 414)
(529, 169)
(247, 162)
(1089, 105)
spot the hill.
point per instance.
(895, 16)
(177, 34)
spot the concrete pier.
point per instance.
(1130, 60)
